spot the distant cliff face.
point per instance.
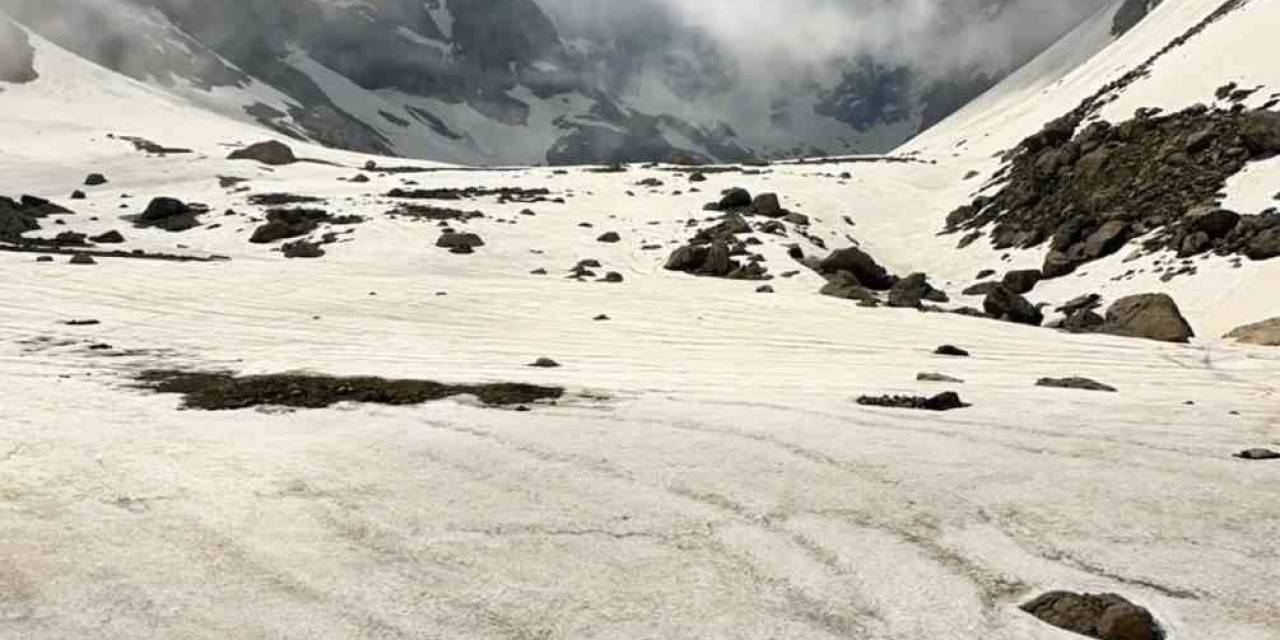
(494, 81)
(17, 59)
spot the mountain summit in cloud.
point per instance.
(560, 81)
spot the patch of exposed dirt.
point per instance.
(221, 391)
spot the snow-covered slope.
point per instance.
(707, 475)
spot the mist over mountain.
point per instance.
(569, 81)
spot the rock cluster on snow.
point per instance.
(1087, 191)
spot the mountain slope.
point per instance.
(707, 472)
(496, 82)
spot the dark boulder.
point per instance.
(1260, 132)
(687, 258)
(1022, 281)
(1258, 454)
(270, 153)
(82, 258)
(845, 286)
(302, 249)
(1216, 223)
(287, 223)
(735, 198)
(1154, 316)
(460, 242)
(951, 350)
(1104, 616)
(981, 288)
(913, 290)
(94, 179)
(1004, 304)
(1082, 321)
(110, 237)
(1265, 245)
(767, 204)
(169, 214)
(863, 267)
(610, 237)
(161, 208)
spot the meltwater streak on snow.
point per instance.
(726, 488)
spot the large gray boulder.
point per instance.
(270, 153)
(1153, 316)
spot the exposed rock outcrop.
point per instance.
(1088, 191)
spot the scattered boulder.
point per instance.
(937, 377)
(457, 242)
(1265, 333)
(163, 207)
(912, 290)
(612, 277)
(951, 350)
(170, 214)
(982, 288)
(288, 223)
(1104, 616)
(1022, 281)
(845, 286)
(764, 289)
(94, 179)
(1154, 316)
(611, 237)
(78, 195)
(110, 237)
(302, 249)
(82, 258)
(1075, 383)
(1003, 304)
(945, 401)
(735, 198)
(272, 153)
(861, 265)
(545, 363)
(767, 204)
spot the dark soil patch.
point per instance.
(428, 212)
(137, 254)
(504, 194)
(280, 199)
(1084, 384)
(222, 391)
(147, 146)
